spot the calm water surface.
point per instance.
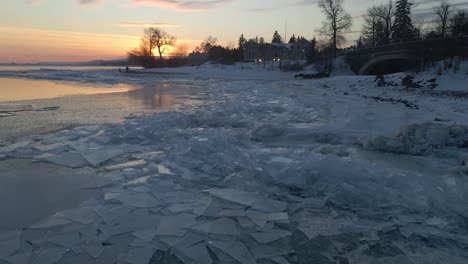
(23, 89)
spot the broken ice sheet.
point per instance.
(261, 218)
(45, 148)
(197, 253)
(270, 236)
(235, 249)
(48, 255)
(22, 258)
(140, 255)
(96, 157)
(130, 164)
(69, 159)
(12, 147)
(94, 249)
(175, 225)
(137, 181)
(44, 156)
(280, 260)
(222, 226)
(233, 195)
(142, 200)
(146, 235)
(9, 243)
(83, 215)
(316, 226)
(67, 240)
(50, 222)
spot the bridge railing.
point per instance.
(454, 46)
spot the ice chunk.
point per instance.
(197, 253)
(140, 180)
(69, 159)
(45, 148)
(232, 212)
(48, 255)
(222, 226)
(325, 226)
(53, 221)
(44, 156)
(233, 195)
(175, 225)
(22, 258)
(96, 157)
(245, 222)
(137, 199)
(14, 146)
(130, 164)
(270, 236)
(261, 219)
(146, 235)
(67, 240)
(164, 170)
(9, 243)
(280, 260)
(140, 255)
(269, 205)
(94, 249)
(235, 249)
(83, 215)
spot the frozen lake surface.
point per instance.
(268, 169)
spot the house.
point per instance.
(254, 51)
(197, 58)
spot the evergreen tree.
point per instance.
(242, 41)
(311, 51)
(276, 38)
(261, 40)
(403, 28)
(292, 39)
(359, 43)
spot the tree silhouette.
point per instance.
(443, 12)
(276, 38)
(459, 23)
(403, 28)
(337, 21)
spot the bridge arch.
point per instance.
(402, 58)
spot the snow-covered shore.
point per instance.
(270, 169)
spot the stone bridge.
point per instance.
(404, 56)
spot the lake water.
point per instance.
(76, 68)
(24, 89)
(77, 104)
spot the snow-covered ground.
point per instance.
(270, 169)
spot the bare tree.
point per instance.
(387, 14)
(156, 38)
(420, 23)
(337, 21)
(153, 38)
(443, 12)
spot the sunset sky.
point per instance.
(82, 30)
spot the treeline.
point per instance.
(394, 23)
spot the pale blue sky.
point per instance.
(34, 29)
